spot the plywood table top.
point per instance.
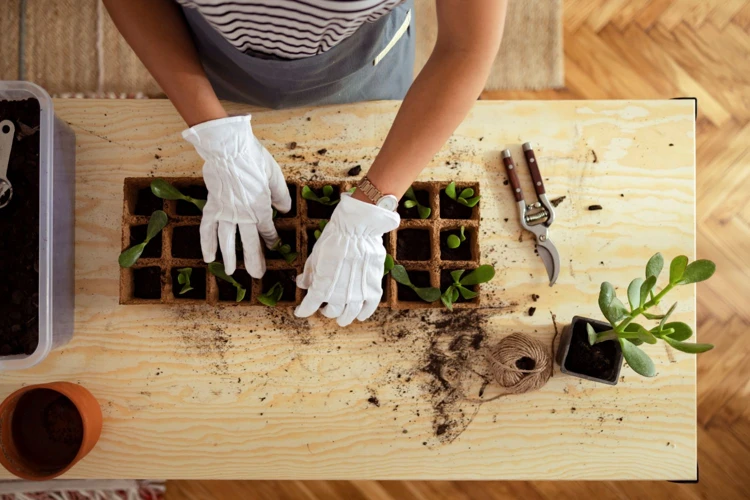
(202, 392)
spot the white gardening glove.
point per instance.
(243, 181)
(345, 268)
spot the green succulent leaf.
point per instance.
(309, 194)
(447, 298)
(454, 293)
(410, 195)
(410, 203)
(217, 269)
(164, 190)
(183, 278)
(647, 287)
(697, 271)
(462, 234)
(639, 332)
(327, 191)
(635, 341)
(201, 204)
(606, 295)
(388, 264)
(456, 275)
(634, 293)
(450, 191)
(240, 292)
(617, 310)
(482, 274)
(272, 296)
(274, 213)
(654, 265)
(155, 224)
(470, 202)
(677, 268)
(290, 257)
(131, 255)
(591, 333)
(652, 316)
(317, 233)
(424, 212)
(428, 294)
(666, 316)
(688, 347)
(637, 359)
(400, 275)
(453, 241)
(466, 293)
(682, 331)
(466, 193)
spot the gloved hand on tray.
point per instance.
(243, 182)
(345, 268)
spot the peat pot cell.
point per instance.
(186, 242)
(146, 202)
(292, 211)
(420, 279)
(597, 360)
(185, 207)
(287, 280)
(384, 284)
(310, 241)
(288, 237)
(153, 248)
(423, 197)
(317, 210)
(463, 252)
(446, 280)
(147, 283)
(227, 291)
(450, 209)
(197, 281)
(413, 244)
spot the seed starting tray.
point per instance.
(416, 245)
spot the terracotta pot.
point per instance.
(46, 429)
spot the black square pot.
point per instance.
(600, 363)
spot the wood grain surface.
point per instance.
(197, 392)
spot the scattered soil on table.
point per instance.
(597, 360)
(420, 279)
(292, 211)
(463, 252)
(187, 208)
(450, 209)
(153, 247)
(355, 170)
(423, 197)
(413, 244)
(197, 281)
(146, 203)
(556, 201)
(595, 207)
(47, 429)
(289, 237)
(186, 242)
(446, 280)
(147, 283)
(19, 227)
(287, 280)
(227, 291)
(317, 210)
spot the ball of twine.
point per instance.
(520, 363)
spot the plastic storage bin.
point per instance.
(56, 226)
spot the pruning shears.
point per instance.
(536, 217)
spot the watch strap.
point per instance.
(369, 189)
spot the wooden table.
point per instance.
(196, 392)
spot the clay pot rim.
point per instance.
(68, 390)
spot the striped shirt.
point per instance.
(289, 29)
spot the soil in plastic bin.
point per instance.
(19, 227)
(47, 429)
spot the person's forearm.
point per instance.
(158, 33)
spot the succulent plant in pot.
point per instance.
(594, 350)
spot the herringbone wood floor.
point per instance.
(640, 49)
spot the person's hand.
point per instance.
(345, 268)
(243, 181)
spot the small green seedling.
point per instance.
(428, 294)
(272, 296)
(326, 199)
(321, 225)
(465, 197)
(217, 269)
(630, 334)
(388, 264)
(482, 274)
(183, 278)
(155, 224)
(285, 250)
(165, 190)
(455, 241)
(411, 202)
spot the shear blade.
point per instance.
(551, 259)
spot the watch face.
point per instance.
(388, 202)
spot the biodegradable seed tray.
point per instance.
(416, 245)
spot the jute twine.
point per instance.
(504, 356)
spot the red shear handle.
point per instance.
(528, 152)
(510, 168)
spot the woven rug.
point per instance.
(72, 48)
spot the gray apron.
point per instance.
(376, 62)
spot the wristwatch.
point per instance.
(386, 201)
